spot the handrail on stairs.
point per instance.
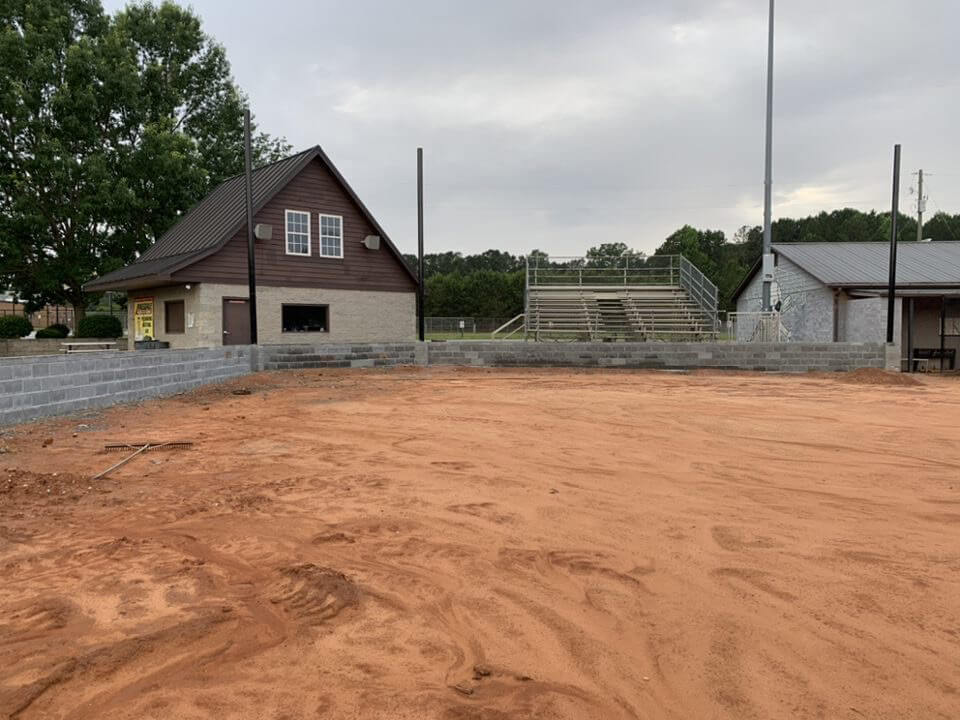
(700, 289)
(493, 335)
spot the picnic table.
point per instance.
(87, 346)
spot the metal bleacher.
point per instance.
(662, 297)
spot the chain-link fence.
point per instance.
(461, 325)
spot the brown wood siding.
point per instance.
(315, 191)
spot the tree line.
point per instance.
(491, 284)
(112, 126)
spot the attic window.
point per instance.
(331, 236)
(298, 232)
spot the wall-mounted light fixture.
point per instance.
(262, 231)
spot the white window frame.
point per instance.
(286, 232)
(320, 235)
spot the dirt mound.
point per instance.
(16, 483)
(875, 376)
(314, 594)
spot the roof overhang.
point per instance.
(122, 279)
(144, 281)
(934, 291)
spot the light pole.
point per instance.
(767, 263)
(248, 192)
(421, 293)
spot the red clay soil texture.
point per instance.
(489, 545)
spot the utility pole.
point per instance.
(894, 213)
(251, 268)
(767, 269)
(920, 206)
(421, 297)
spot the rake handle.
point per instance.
(122, 462)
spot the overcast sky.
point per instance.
(561, 124)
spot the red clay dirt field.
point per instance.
(490, 544)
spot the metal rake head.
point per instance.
(148, 446)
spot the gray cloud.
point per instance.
(561, 125)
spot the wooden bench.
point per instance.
(923, 356)
(87, 347)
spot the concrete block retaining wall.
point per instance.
(43, 386)
(22, 347)
(292, 357)
(781, 357)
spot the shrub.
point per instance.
(64, 330)
(50, 332)
(14, 326)
(99, 326)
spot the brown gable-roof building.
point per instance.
(329, 273)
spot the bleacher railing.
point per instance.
(672, 270)
(699, 288)
(580, 271)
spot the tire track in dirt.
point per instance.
(562, 545)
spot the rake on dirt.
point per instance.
(139, 448)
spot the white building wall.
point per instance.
(806, 304)
(865, 320)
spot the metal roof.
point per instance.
(144, 268)
(220, 215)
(867, 264)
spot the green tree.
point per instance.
(610, 255)
(109, 129)
(704, 248)
(942, 226)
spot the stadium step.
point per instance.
(616, 312)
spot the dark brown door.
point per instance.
(236, 322)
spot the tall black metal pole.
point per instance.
(421, 321)
(251, 267)
(894, 212)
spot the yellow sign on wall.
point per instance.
(143, 319)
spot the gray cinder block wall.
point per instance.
(35, 387)
(806, 304)
(49, 385)
(292, 357)
(49, 346)
(769, 357)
